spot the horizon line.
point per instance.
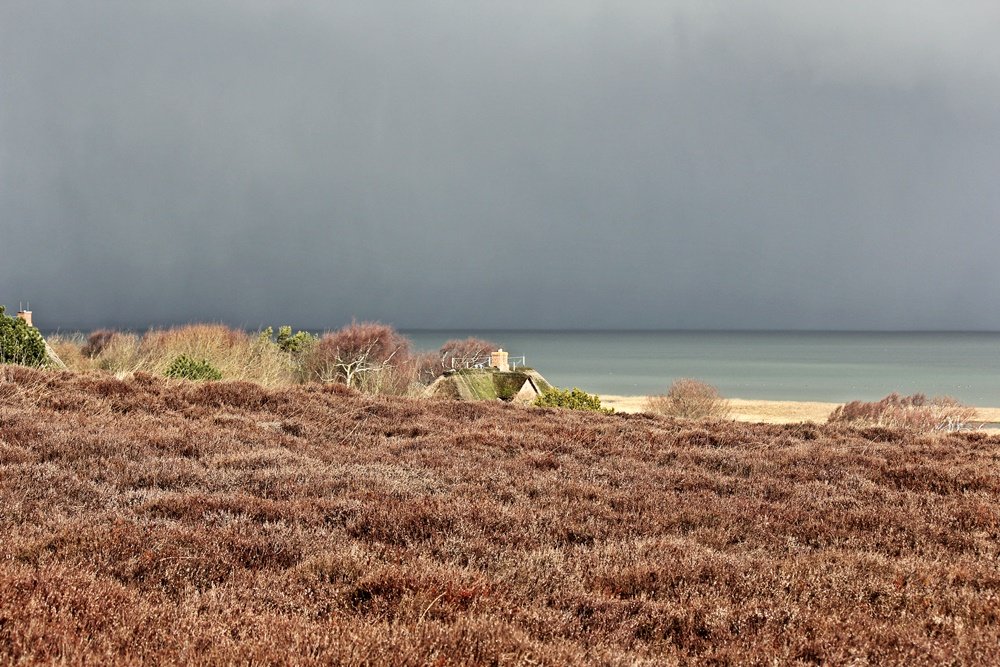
(567, 330)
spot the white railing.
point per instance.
(470, 362)
(484, 362)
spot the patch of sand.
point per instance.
(769, 412)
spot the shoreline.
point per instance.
(772, 411)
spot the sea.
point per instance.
(794, 365)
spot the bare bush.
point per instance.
(915, 412)
(97, 341)
(692, 399)
(465, 348)
(369, 356)
(427, 367)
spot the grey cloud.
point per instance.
(775, 164)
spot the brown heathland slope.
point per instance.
(145, 520)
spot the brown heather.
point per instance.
(165, 522)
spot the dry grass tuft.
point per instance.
(167, 522)
(70, 349)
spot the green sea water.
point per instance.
(817, 366)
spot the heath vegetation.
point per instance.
(171, 522)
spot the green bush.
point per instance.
(573, 399)
(294, 343)
(186, 368)
(20, 343)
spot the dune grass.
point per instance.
(237, 354)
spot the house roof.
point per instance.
(488, 384)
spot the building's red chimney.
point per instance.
(26, 316)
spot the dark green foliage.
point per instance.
(184, 367)
(573, 399)
(294, 343)
(287, 341)
(20, 343)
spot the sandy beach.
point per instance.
(770, 412)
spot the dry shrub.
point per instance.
(915, 412)
(369, 356)
(692, 399)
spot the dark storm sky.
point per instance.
(572, 164)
